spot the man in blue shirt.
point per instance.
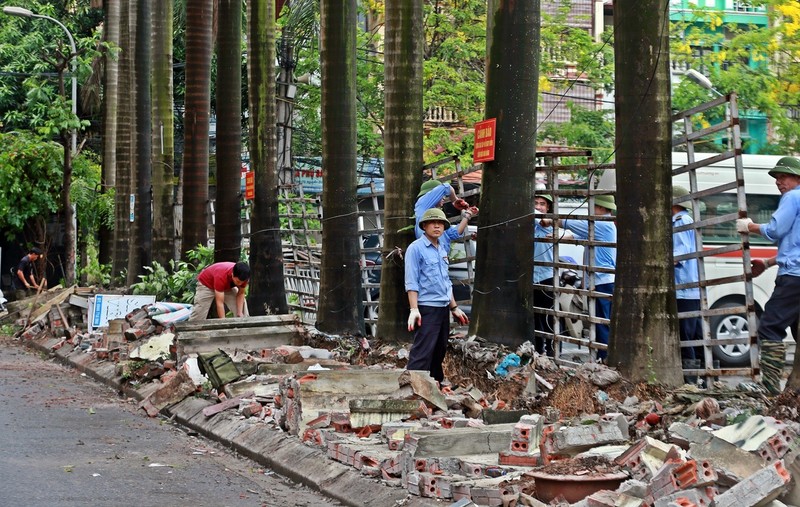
(542, 275)
(781, 311)
(605, 257)
(432, 194)
(686, 271)
(430, 296)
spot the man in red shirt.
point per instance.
(222, 283)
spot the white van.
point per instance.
(762, 198)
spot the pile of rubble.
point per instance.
(507, 430)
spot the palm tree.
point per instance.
(163, 134)
(110, 104)
(402, 152)
(227, 228)
(340, 309)
(124, 144)
(503, 270)
(267, 293)
(141, 253)
(198, 97)
(645, 348)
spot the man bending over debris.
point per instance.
(222, 283)
(430, 293)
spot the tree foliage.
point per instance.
(30, 179)
(759, 63)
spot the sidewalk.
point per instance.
(268, 447)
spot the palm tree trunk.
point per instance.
(503, 271)
(646, 347)
(163, 135)
(228, 225)
(403, 155)
(110, 105)
(142, 239)
(267, 294)
(125, 154)
(198, 105)
(340, 307)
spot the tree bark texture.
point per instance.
(142, 239)
(503, 271)
(163, 135)
(267, 293)
(228, 222)
(110, 105)
(340, 307)
(644, 341)
(196, 120)
(402, 156)
(124, 183)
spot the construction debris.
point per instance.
(588, 438)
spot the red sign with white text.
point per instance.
(250, 186)
(484, 141)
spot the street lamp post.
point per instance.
(69, 213)
(25, 13)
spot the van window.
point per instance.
(759, 207)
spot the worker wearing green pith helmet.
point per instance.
(432, 194)
(781, 311)
(430, 296)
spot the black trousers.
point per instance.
(542, 322)
(781, 311)
(430, 341)
(691, 329)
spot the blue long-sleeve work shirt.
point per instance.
(426, 273)
(432, 200)
(784, 229)
(542, 252)
(684, 242)
(604, 256)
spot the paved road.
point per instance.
(68, 441)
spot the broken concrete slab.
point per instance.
(157, 347)
(231, 339)
(758, 489)
(457, 441)
(174, 389)
(749, 434)
(365, 412)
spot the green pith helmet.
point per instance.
(431, 215)
(786, 165)
(679, 191)
(606, 201)
(546, 197)
(427, 187)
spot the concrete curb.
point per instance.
(271, 448)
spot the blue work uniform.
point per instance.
(542, 252)
(432, 200)
(686, 271)
(604, 257)
(426, 273)
(781, 310)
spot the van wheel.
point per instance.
(731, 326)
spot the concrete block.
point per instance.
(699, 497)
(664, 481)
(751, 433)
(571, 440)
(757, 490)
(603, 498)
(459, 441)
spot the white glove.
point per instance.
(742, 224)
(460, 316)
(466, 214)
(414, 319)
(566, 234)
